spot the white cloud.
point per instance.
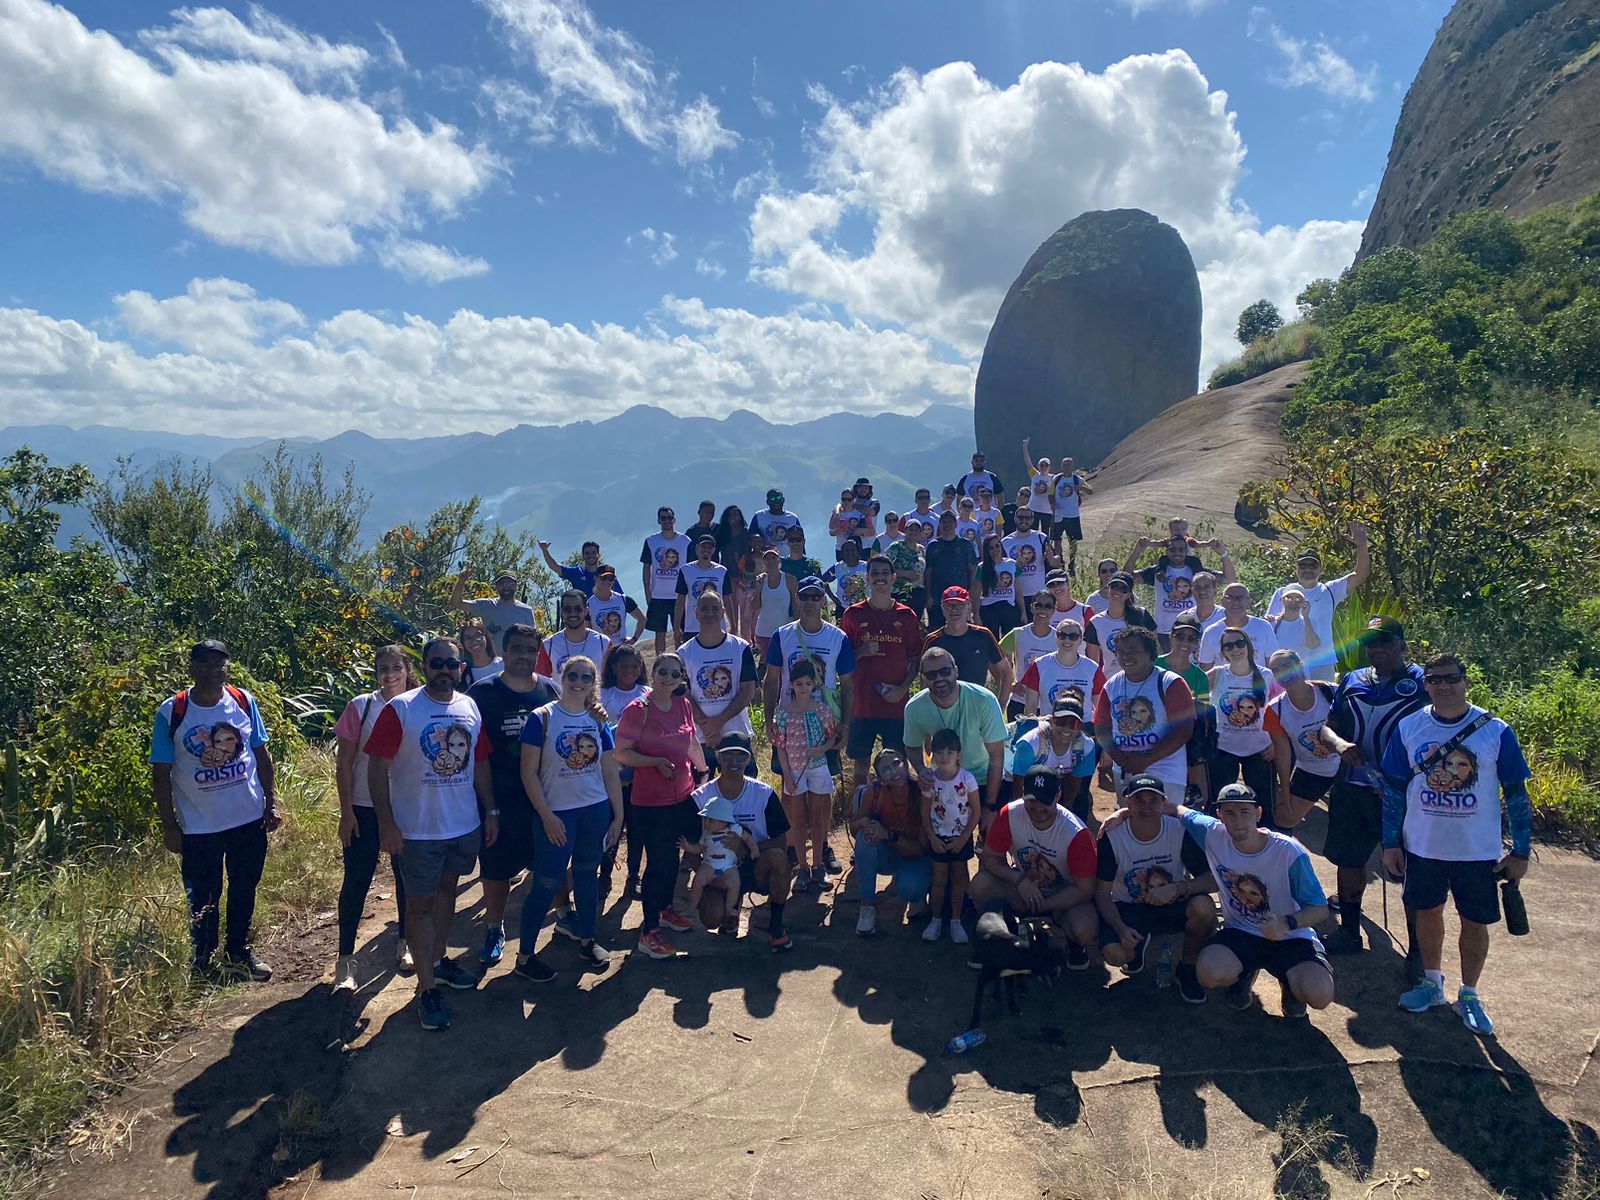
(265, 39)
(424, 262)
(252, 158)
(1313, 64)
(960, 180)
(589, 69)
(661, 245)
(1144, 6)
(251, 366)
(709, 267)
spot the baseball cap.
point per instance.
(706, 537)
(1238, 793)
(811, 583)
(735, 743)
(1056, 576)
(954, 593)
(1068, 706)
(1309, 556)
(1188, 621)
(209, 646)
(1143, 783)
(1382, 629)
(1041, 783)
(864, 480)
(505, 575)
(606, 573)
(1121, 577)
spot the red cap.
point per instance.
(955, 593)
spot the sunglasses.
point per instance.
(1437, 680)
(666, 672)
(1235, 645)
(1066, 721)
(444, 664)
(1118, 587)
(1187, 635)
(579, 677)
(939, 673)
(1065, 636)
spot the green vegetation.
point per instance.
(1453, 409)
(1257, 321)
(1295, 342)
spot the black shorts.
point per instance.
(1303, 785)
(954, 856)
(1471, 883)
(1202, 743)
(1071, 526)
(658, 615)
(512, 851)
(1152, 920)
(1355, 825)
(866, 732)
(1256, 953)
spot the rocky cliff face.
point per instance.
(1505, 114)
(1099, 333)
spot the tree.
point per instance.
(1312, 297)
(1260, 320)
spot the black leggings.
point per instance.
(1257, 772)
(360, 861)
(999, 617)
(635, 842)
(659, 827)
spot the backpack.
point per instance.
(180, 704)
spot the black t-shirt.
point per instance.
(949, 564)
(973, 651)
(696, 532)
(504, 711)
(1192, 856)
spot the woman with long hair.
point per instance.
(621, 683)
(479, 651)
(997, 580)
(1245, 725)
(733, 547)
(358, 822)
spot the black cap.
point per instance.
(1238, 793)
(1068, 706)
(1189, 621)
(735, 741)
(1143, 782)
(706, 537)
(1308, 556)
(809, 583)
(209, 646)
(1121, 577)
(864, 480)
(1041, 783)
(1382, 629)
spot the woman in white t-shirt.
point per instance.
(358, 822)
(481, 661)
(1246, 725)
(997, 577)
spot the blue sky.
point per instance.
(298, 218)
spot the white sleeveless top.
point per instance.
(774, 613)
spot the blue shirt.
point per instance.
(1366, 712)
(579, 577)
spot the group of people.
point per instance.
(979, 701)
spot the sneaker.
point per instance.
(802, 882)
(1242, 994)
(531, 968)
(867, 922)
(1077, 957)
(344, 973)
(830, 861)
(1136, 957)
(567, 925)
(655, 945)
(453, 975)
(729, 928)
(248, 966)
(674, 922)
(206, 975)
(1344, 940)
(1189, 984)
(1415, 973)
(1424, 996)
(934, 931)
(432, 1010)
(593, 953)
(782, 943)
(958, 933)
(1470, 1009)
(494, 945)
(1293, 1007)
(819, 879)
(403, 962)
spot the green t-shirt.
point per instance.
(1199, 682)
(975, 717)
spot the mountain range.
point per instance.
(586, 479)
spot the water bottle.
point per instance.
(963, 1042)
(883, 689)
(1164, 966)
(1515, 909)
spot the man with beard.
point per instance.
(497, 615)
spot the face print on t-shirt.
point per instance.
(714, 681)
(1134, 714)
(447, 746)
(1455, 773)
(1246, 893)
(1310, 741)
(1037, 867)
(1140, 880)
(611, 622)
(1178, 588)
(667, 559)
(1241, 710)
(214, 745)
(1025, 556)
(1062, 688)
(577, 748)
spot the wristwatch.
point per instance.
(493, 812)
(1291, 922)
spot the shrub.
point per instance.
(1293, 343)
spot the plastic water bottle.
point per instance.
(963, 1042)
(1164, 966)
(1515, 907)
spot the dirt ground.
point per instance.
(734, 1072)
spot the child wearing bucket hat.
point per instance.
(719, 864)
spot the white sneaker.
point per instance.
(934, 931)
(958, 933)
(867, 922)
(344, 974)
(403, 962)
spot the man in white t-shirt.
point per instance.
(1323, 598)
(774, 521)
(576, 636)
(214, 789)
(1034, 557)
(609, 609)
(428, 768)
(701, 574)
(497, 615)
(1236, 615)
(722, 677)
(663, 557)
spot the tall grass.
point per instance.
(1293, 343)
(94, 962)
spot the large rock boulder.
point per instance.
(1099, 333)
(1505, 114)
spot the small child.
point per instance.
(719, 866)
(803, 725)
(952, 795)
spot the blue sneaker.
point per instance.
(494, 945)
(1424, 996)
(434, 1014)
(1470, 1009)
(453, 975)
(567, 926)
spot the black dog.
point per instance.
(1007, 948)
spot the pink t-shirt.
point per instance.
(667, 735)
